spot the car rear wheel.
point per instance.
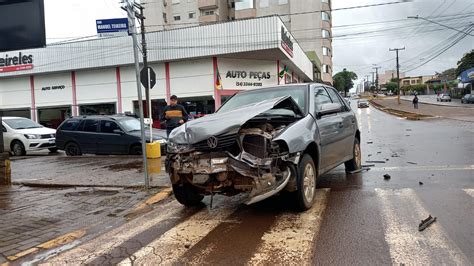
(187, 194)
(306, 183)
(356, 162)
(136, 150)
(72, 149)
(18, 149)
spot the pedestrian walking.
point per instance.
(415, 102)
(174, 115)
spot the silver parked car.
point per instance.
(468, 98)
(264, 141)
(362, 103)
(444, 97)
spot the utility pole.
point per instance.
(367, 81)
(131, 18)
(398, 70)
(376, 76)
(373, 79)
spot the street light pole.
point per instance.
(398, 71)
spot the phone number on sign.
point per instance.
(255, 84)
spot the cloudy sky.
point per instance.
(362, 37)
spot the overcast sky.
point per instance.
(355, 47)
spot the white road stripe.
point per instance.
(402, 211)
(469, 191)
(93, 249)
(292, 236)
(175, 242)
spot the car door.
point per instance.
(109, 141)
(88, 136)
(347, 128)
(7, 137)
(329, 129)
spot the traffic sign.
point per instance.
(112, 27)
(144, 77)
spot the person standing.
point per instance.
(415, 102)
(174, 115)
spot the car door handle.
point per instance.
(341, 125)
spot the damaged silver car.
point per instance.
(262, 142)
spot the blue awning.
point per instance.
(467, 76)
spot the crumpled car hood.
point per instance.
(218, 123)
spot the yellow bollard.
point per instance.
(153, 150)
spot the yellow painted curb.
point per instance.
(23, 253)
(156, 198)
(64, 239)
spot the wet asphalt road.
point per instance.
(358, 219)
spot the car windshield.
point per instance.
(130, 124)
(21, 123)
(242, 99)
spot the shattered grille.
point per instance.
(223, 142)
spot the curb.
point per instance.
(42, 185)
(437, 104)
(399, 113)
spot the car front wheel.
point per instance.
(356, 162)
(187, 194)
(72, 149)
(306, 183)
(18, 149)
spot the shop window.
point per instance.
(97, 109)
(90, 125)
(53, 116)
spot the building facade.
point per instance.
(385, 77)
(310, 21)
(203, 65)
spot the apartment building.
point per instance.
(309, 21)
(384, 78)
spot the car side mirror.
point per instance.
(329, 108)
(118, 131)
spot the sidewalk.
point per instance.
(59, 200)
(431, 99)
(462, 114)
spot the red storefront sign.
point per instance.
(16, 68)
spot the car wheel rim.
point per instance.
(309, 182)
(72, 150)
(17, 149)
(357, 155)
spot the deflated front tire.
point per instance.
(187, 194)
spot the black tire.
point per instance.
(356, 162)
(187, 195)
(307, 176)
(72, 149)
(53, 150)
(17, 148)
(136, 150)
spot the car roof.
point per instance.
(102, 117)
(283, 86)
(13, 117)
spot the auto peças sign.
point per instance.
(286, 42)
(16, 63)
(254, 76)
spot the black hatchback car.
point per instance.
(103, 135)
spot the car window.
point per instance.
(90, 126)
(4, 129)
(108, 126)
(335, 97)
(21, 123)
(321, 97)
(70, 125)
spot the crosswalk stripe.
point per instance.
(469, 191)
(292, 236)
(175, 242)
(402, 211)
(93, 249)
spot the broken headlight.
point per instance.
(172, 147)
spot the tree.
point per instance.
(343, 81)
(466, 62)
(448, 74)
(392, 86)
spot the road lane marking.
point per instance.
(469, 191)
(105, 243)
(292, 236)
(177, 241)
(402, 211)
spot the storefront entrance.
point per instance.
(97, 109)
(16, 112)
(52, 117)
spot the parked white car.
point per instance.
(22, 134)
(445, 97)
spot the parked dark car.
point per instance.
(468, 98)
(114, 134)
(264, 141)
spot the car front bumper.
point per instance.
(40, 144)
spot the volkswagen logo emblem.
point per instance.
(212, 142)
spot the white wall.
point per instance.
(96, 86)
(192, 78)
(51, 97)
(15, 93)
(253, 73)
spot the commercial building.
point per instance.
(203, 65)
(415, 80)
(385, 77)
(310, 21)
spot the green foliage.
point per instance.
(448, 74)
(343, 81)
(466, 62)
(420, 88)
(391, 86)
(393, 80)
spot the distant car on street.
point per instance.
(21, 135)
(115, 134)
(444, 97)
(468, 98)
(362, 103)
